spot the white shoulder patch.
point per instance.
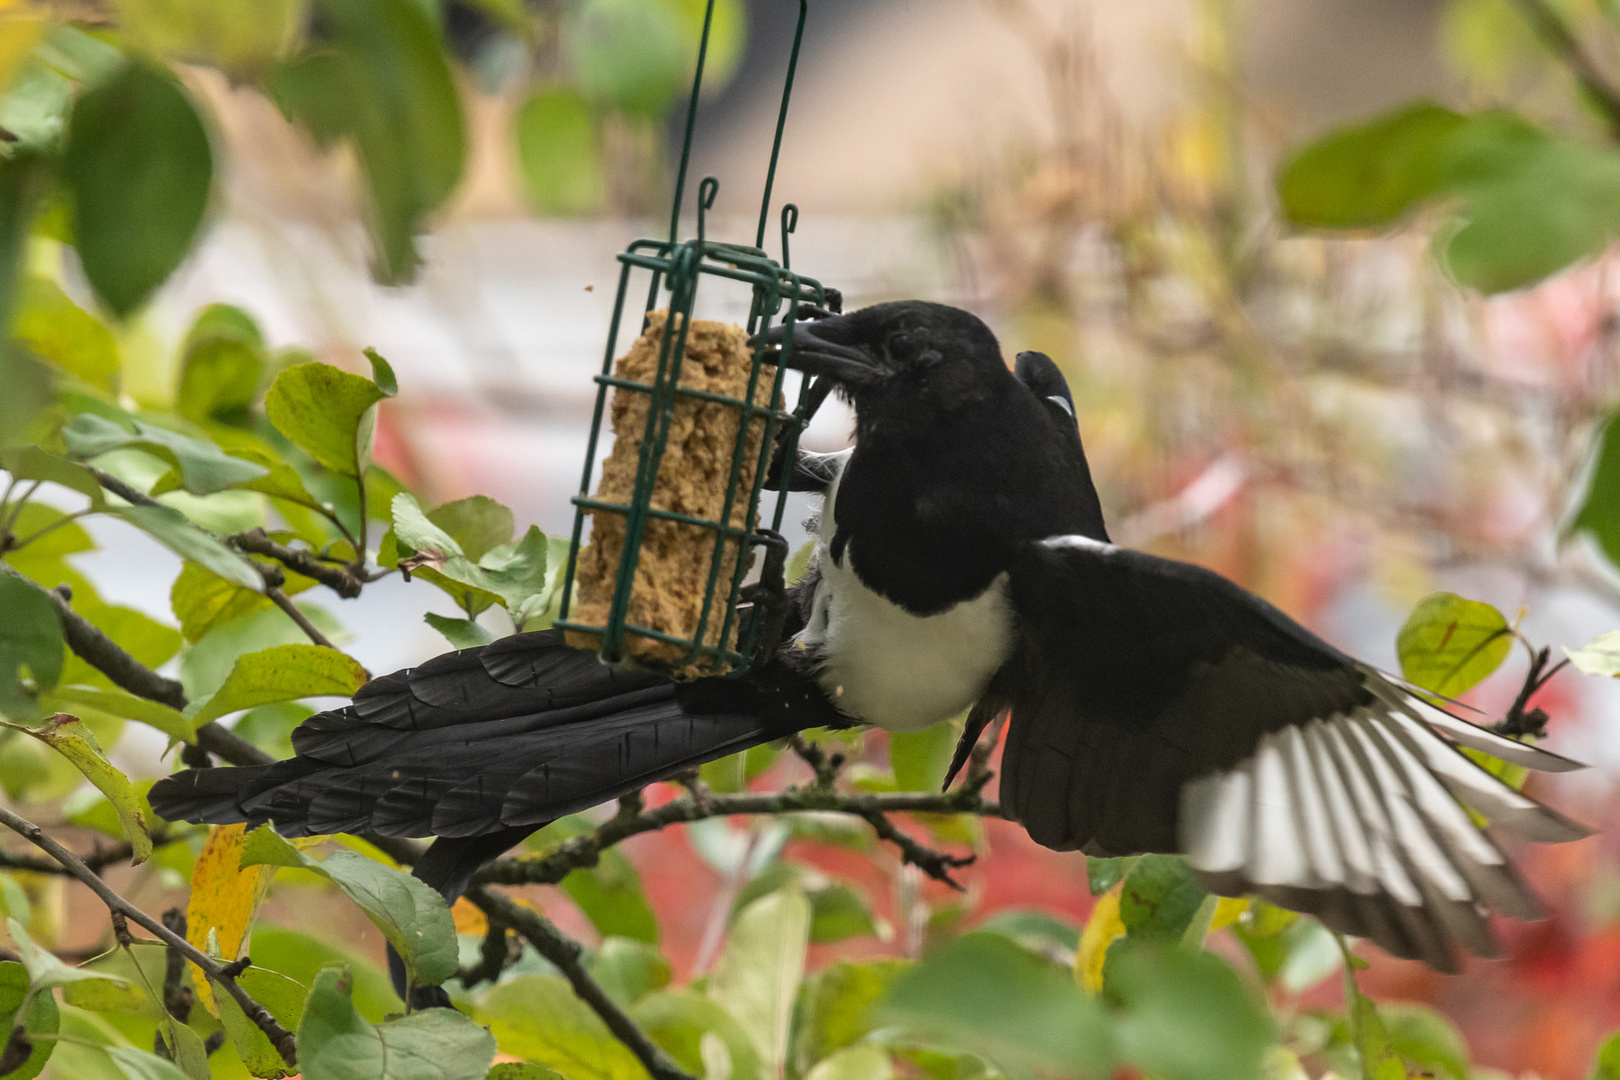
(1075, 540)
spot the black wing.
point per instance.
(1156, 706)
(483, 741)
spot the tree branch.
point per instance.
(346, 580)
(564, 952)
(1560, 40)
(106, 656)
(97, 861)
(583, 851)
(279, 1037)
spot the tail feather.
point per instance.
(478, 742)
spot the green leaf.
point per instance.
(1449, 644)
(981, 992)
(139, 169)
(45, 970)
(757, 976)
(477, 524)
(629, 970)
(1035, 930)
(1426, 1039)
(206, 665)
(611, 896)
(1160, 898)
(461, 633)
(1103, 874)
(104, 995)
(40, 1021)
(68, 736)
(240, 37)
(1183, 1014)
(560, 153)
(839, 1007)
(410, 913)
(838, 912)
(301, 958)
(284, 998)
(282, 673)
(539, 1018)
(512, 574)
(35, 110)
(187, 1047)
(919, 758)
(854, 1063)
(1524, 203)
(64, 335)
(118, 703)
(523, 1070)
(381, 79)
(141, 1065)
(1599, 513)
(1600, 656)
(202, 600)
(1368, 175)
(1608, 1059)
(30, 646)
(328, 412)
(382, 372)
(335, 1043)
(33, 463)
(172, 529)
(681, 1021)
(221, 367)
(204, 467)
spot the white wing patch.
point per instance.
(1360, 819)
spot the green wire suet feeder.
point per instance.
(717, 644)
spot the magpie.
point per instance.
(961, 563)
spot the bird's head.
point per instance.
(908, 352)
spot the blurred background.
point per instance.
(1329, 421)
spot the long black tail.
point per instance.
(483, 746)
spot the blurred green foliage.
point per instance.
(110, 153)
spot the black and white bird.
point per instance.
(961, 563)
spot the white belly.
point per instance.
(888, 667)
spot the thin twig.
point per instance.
(103, 857)
(279, 1037)
(123, 490)
(1560, 40)
(936, 864)
(345, 579)
(565, 952)
(584, 851)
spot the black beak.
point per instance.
(811, 350)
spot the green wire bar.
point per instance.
(678, 267)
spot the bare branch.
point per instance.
(279, 1037)
(564, 952)
(583, 851)
(346, 579)
(936, 864)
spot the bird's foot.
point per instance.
(767, 599)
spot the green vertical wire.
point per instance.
(781, 123)
(660, 411)
(691, 123)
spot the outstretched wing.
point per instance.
(1156, 706)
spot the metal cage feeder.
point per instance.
(777, 293)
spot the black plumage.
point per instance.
(962, 561)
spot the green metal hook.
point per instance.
(706, 195)
(790, 222)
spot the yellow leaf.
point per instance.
(1229, 911)
(224, 898)
(17, 40)
(469, 917)
(1102, 928)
